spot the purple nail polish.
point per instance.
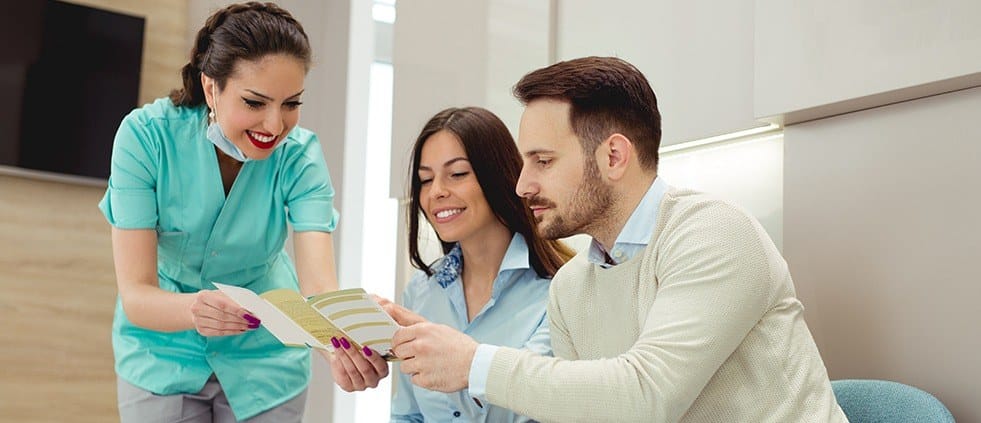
(335, 342)
(250, 318)
(347, 345)
(254, 325)
(367, 351)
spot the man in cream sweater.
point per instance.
(682, 309)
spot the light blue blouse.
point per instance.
(165, 177)
(514, 317)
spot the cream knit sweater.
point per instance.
(701, 326)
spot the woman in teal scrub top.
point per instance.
(202, 187)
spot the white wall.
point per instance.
(817, 58)
(758, 162)
(450, 53)
(882, 237)
(698, 56)
(879, 226)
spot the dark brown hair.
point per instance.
(607, 96)
(247, 31)
(496, 163)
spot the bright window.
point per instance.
(379, 232)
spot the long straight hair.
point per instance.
(496, 163)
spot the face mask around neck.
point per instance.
(217, 136)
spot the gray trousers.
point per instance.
(208, 406)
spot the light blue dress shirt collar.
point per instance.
(448, 269)
(636, 233)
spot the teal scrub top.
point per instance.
(165, 177)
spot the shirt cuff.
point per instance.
(480, 371)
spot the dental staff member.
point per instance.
(202, 187)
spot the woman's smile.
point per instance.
(261, 140)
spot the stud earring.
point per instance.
(211, 115)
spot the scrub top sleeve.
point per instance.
(309, 193)
(130, 202)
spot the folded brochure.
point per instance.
(297, 321)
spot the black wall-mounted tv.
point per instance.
(71, 73)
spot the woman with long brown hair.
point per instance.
(492, 281)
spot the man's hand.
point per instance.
(436, 356)
(402, 315)
(353, 369)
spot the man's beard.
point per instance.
(587, 207)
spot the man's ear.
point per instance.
(614, 155)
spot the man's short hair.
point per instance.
(607, 96)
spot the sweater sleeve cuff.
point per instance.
(479, 371)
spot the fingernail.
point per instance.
(347, 345)
(250, 318)
(254, 325)
(367, 351)
(336, 343)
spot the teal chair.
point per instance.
(882, 401)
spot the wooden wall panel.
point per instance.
(57, 287)
(57, 293)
